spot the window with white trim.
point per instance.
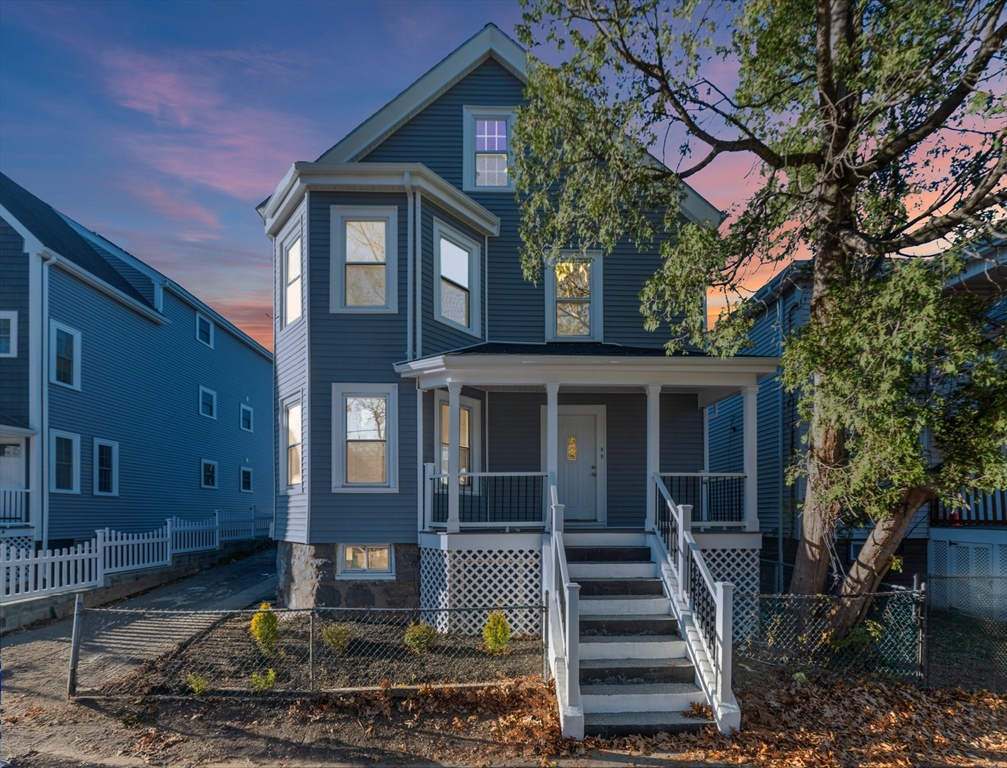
(291, 281)
(245, 480)
(486, 147)
(207, 403)
(370, 560)
(470, 433)
(365, 439)
(208, 473)
(364, 259)
(106, 467)
(204, 330)
(245, 417)
(64, 462)
(8, 333)
(291, 427)
(457, 264)
(573, 300)
(64, 355)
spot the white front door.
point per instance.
(580, 475)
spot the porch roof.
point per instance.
(589, 364)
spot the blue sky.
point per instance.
(162, 124)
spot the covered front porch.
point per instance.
(609, 430)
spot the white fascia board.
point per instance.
(32, 245)
(519, 370)
(374, 177)
(8, 430)
(488, 42)
(100, 285)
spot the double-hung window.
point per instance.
(364, 255)
(204, 330)
(457, 264)
(64, 355)
(106, 467)
(8, 334)
(292, 281)
(245, 418)
(487, 139)
(208, 473)
(207, 403)
(245, 481)
(365, 439)
(469, 434)
(64, 458)
(291, 427)
(573, 300)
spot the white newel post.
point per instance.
(653, 450)
(751, 454)
(428, 496)
(725, 636)
(684, 555)
(454, 438)
(573, 644)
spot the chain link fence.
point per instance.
(124, 652)
(798, 633)
(967, 632)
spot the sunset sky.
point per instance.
(161, 125)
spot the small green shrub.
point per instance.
(496, 633)
(265, 628)
(337, 636)
(420, 638)
(262, 683)
(198, 685)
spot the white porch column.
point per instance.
(552, 429)
(653, 447)
(454, 439)
(750, 425)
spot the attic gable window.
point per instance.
(487, 149)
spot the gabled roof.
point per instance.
(489, 42)
(58, 236)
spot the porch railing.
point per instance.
(488, 499)
(704, 606)
(979, 509)
(13, 506)
(717, 499)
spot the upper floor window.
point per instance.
(363, 264)
(208, 473)
(456, 292)
(64, 355)
(204, 330)
(208, 402)
(487, 140)
(292, 281)
(245, 420)
(245, 481)
(8, 334)
(365, 439)
(573, 300)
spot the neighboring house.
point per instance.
(429, 398)
(784, 304)
(124, 400)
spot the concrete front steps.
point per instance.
(635, 677)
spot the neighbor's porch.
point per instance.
(610, 436)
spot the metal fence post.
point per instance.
(922, 653)
(311, 650)
(78, 613)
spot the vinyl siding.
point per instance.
(358, 348)
(290, 380)
(14, 297)
(139, 387)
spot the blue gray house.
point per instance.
(440, 419)
(124, 400)
(783, 305)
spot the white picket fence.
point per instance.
(26, 574)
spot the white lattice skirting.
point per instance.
(481, 578)
(18, 542)
(741, 568)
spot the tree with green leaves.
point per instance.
(877, 130)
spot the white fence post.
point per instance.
(725, 637)
(99, 546)
(170, 527)
(573, 644)
(685, 513)
(216, 526)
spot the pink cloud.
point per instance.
(177, 207)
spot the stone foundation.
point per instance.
(306, 576)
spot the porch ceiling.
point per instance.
(712, 378)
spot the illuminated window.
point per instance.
(364, 450)
(573, 300)
(364, 259)
(456, 293)
(292, 428)
(487, 146)
(292, 281)
(571, 448)
(367, 560)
